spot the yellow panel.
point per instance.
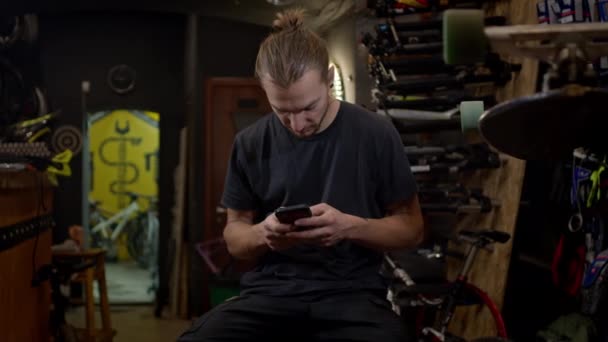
(124, 157)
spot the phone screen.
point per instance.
(288, 215)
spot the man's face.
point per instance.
(302, 105)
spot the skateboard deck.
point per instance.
(547, 125)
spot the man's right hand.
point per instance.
(272, 232)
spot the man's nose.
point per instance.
(298, 122)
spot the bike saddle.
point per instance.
(488, 235)
(548, 125)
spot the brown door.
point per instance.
(231, 105)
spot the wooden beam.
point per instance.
(490, 269)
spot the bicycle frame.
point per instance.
(459, 286)
(447, 304)
(439, 332)
(123, 217)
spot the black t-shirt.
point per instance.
(357, 165)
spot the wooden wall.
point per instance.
(491, 269)
(24, 310)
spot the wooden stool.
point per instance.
(87, 276)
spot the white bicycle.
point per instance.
(141, 229)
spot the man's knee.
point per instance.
(244, 318)
(211, 323)
(195, 331)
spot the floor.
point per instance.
(127, 284)
(135, 323)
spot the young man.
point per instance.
(318, 279)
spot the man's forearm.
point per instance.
(243, 241)
(388, 233)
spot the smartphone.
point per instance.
(289, 215)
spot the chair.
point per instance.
(87, 276)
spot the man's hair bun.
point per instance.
(289, 20)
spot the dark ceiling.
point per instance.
(255, 11)
(261, 12)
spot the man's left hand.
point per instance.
(327, 226)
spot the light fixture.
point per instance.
(338, 88)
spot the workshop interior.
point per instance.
(117, 122)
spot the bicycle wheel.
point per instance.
(142, 240)
(13, 93)
(473, 295)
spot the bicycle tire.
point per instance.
(135, 242)
(140, 249)
(19, 98)
(485, 300)
(472, 296)
(13, 91)
(427, 317)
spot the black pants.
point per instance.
(344, 317)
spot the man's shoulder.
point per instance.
(366, 119)
(255, 131)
